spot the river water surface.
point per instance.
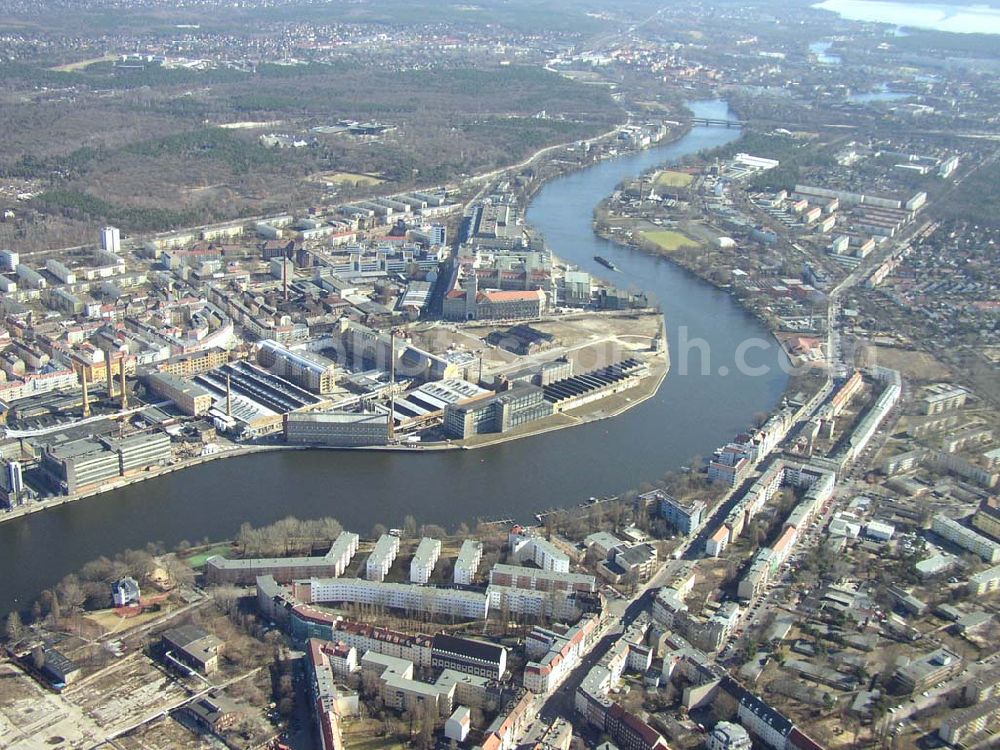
(692, 413)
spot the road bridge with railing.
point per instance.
(711, 122)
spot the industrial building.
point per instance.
(251, 401)
(338, 428)
(302, 369)
(500, 412)
(578, 390)
(194, 363)
(364, 348)
(429, 401)
(190, 398)
(194, 647)
(84, 464)
(469, 303)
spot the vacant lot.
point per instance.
(132, 690)
(163, 734)
(31, 718)
(915, 365)
(353, 179)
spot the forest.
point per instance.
(161, 159)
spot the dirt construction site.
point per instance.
(590, 340)
(101, 706)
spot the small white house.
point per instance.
(881, 531)
(457, 726)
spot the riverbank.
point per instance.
(699, 272)
(604, 408)
(153, 472)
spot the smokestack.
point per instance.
(229, 395)
(124, 389)
(109, 373)
(86, 396)
(284, 276)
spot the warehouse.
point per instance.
(304, 370)
(582, 389)
(252, 401)
(190, 398)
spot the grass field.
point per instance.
(668, 240)
(198, 560)
(669, 178)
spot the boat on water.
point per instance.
(605, 262)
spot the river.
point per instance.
(977, 18)
(691, 414)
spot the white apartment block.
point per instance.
(343, 660)
(764, 722)
(540, 551)
(111, 239)
(757, 576)
(966, 538)
(985, 582)
(716, 544)
(471, 605)
(943, 397)
(424, 560)
(516, 576)
(531, 603)
(382, 557)
(343, 550)
(468, 561)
